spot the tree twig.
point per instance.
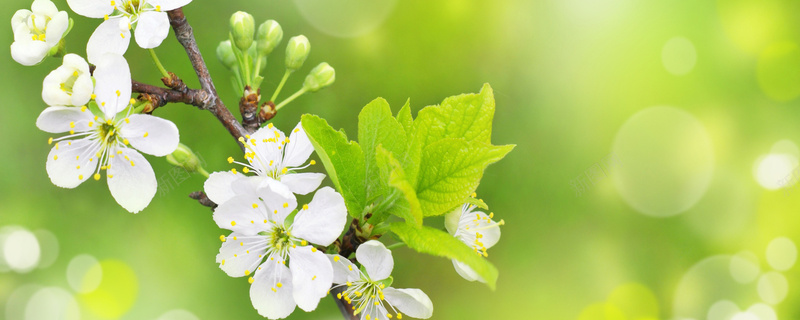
(211, 102)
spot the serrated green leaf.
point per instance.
(377, 126)
(410, 209)
(343, 161)
(467, 116)
(439, 243)
(405, 119)
(451, 170)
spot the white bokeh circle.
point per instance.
(679, 56)
(345, 18)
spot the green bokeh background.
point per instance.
(567, 74)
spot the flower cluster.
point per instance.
(103, 126)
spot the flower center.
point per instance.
(131, 7)
(67, 85)
(108, 133)
(280, 239)
(37, 22)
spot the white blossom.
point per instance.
(102, 140)
(37, 31)
(147, 17)
(271, 156)
(477, 230)
(370, 291)
(287, 270)
(70, 84)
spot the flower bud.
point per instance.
(185, 158)
(243, 28)
(297, 52)
(269, 36)
(320, 77)
(225, 54)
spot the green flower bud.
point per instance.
(225, 54)
(243, 28)
(320, 77)
(297, 52)
(185, 158)
(269, 36)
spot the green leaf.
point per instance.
(477, 202)
(439, 243)
(451, 170)
(392, 171)
(467, 116)
(376, 126)
(343, 160)
(405, 119)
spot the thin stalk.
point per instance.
(292, 97)
(158, 63)
(280, 85)
(396, 245)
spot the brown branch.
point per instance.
(159, 96)
(211, 102)
(201, 197)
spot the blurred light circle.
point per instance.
(772, 287)
(345, 18)
(84, 273)
(602, 311)
(666, 161)
(752, 25)
(116, 293)
(763, 311)
(745, 316)
(774, 171)
(21, 250)
(726, 210)
(52, 303)
(786, 146)
(707, 283)
(49, 247)
(178, 314)
(4, 233)
(17, 301)
(679, 56)
(744, 267)
(723, 310)
(777, 71)
(781, 254)
(634, 300)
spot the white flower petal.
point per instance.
(28, 52)
(108, 38)
(343, 269)
(151, 29)
(466, 272)
(20, 18)
(151, 135)
(167, 5)
(52, 94)
(324, 220)
(131, 180)
(44, 7)
(298, 149)
(376, 259)
(91, 8)
(62, 119)
(113, 87)
(56, 28)
(267, 147)
(248, 185)
(279, 200)
(218, 186)
(303, 183)
(68, 163)
(240, 254)
(312, 276)
(270, 299)
(74, 61)
(411, 302)
(477, 220)
(240, 215)
(82, 90)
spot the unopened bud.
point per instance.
(297, 52)
(269, 36)
(320, 77)
(243, 28)
(185, 158)
(225, 54)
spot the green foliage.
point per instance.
(377, 127)
(439, 243)
(408, 206)
(343, 160)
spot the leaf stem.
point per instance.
(158, 63)
(280, 85)
(396, 245)
(292, 97)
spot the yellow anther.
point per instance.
(133, 101)
(339, 295)
(377, 303)
(72, 124)
(42, 37)
(255, 205)
(94, 96)
(313, 249)
(269, 126)
(235, 238)
(110, 176)
(222, 238)
(146, 134)
(247, 272)
(273, 290)
(80, 177)
(303, 243)
(132, 164)
(349, 283)
(96, 176)
(105, 17)
(125, 141)
(77, 157)
(108, 121)
(265, 220)
(158, 8)
(119, 93)
(245, 169)
(233, 170)
(230, 159)
(276, 211)
(399, 315)
(271, 162)
(72, 132)
(280, 285)
(233, 223)
(491, 215)
(313, 278)
(50, 140)
(296, 130)
(313, 162)
(382, 286)
(56, 145)
(223, 262)
(284, 170)
(388, 315)
(285, 204)
(350, 267)
(91, 124)
(241, 244)
(83, 108)
(75, 73)
(78, 167)
(305, 207)
(250, 280)
(113, 3)
(335, 258)
(122, 35)
(118, 152)
(241, 139)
